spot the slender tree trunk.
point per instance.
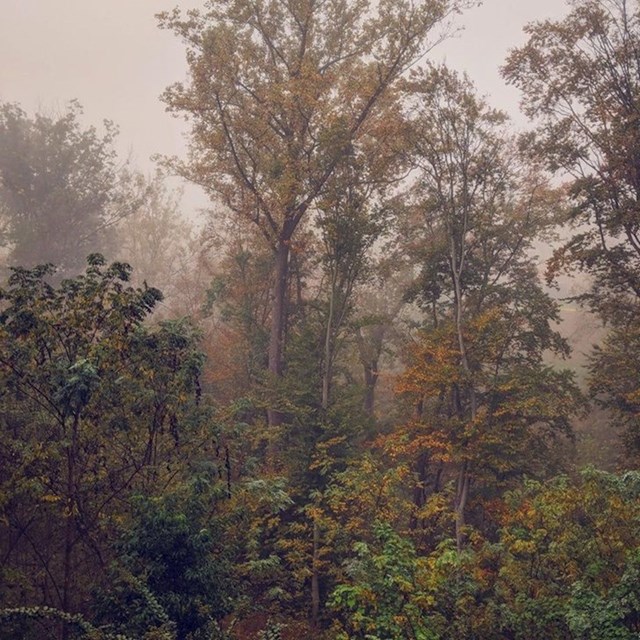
(462, 493)
(278, 319)
(370, 380)
(328, 347)
(327, 374)
(462, 488)
(70, 524)
(420, 492)
(369, 358)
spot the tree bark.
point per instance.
(462, 493)
(370, 380)
(369, 358)
(420, 491)
(457, 262)
(278, 319)
(70, 523)
(328, 347)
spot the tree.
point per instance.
(154, 238)
(280, 95)
(386, 593)
(580, 78)
(477, 372)
(173, 548)
(60, 189)
(95, 407)
(613, 381)
(377, 325)
(569, 565)
(350, 222)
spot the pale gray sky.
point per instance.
(112, 58)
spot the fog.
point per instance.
(340, 401)
(112, 58)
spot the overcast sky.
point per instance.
(112, 58)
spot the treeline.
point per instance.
(343, 417)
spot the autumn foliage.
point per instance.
(353, 414)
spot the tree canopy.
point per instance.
(352, 413)
(280, 95)
(61, 190)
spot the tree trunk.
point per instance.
(462, 493)
(370, 380)
(70, 524)
(369, 358)
(278, 319)
(462, 488)
(328, 347)
(420, 491)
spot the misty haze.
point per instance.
(320, 319)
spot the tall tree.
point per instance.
(280, 94)
(94, 407)
(377, 324)
(580, 79)
(476, 211)
(350, 222)
(614, 381)
(61, 191)
(154, 238)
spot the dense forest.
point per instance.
(344, 405)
